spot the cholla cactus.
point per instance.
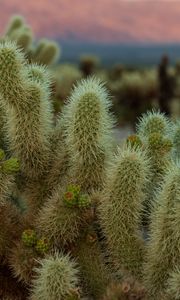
(94, 272)
(59, 223)
(15, 23)
(62, 188)
(88, 64)
(173, 286)
(47, 52)
(121, 207)
(153, 122)
(88, 128)
(56, 278)
(176, 140)
(26, 111)
(163, 252)
(23, 260)
(153, 130)
(128, 289)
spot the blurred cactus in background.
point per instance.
(88, 64)
(165, 85)
(80, 217)
(45, 52)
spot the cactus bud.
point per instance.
(29, 237)
(71, 195)
(11, 166)
(42, 246)
(84, 201)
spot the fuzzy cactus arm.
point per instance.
(13, 79)
(88, 125)
(27, 135)
(59, 166)
(94, 272)
(154, 131)
(59, 223)
(3, 119)
(176, 141)
(22, 261)
(56, 278)
(39, 73)
(47, 52)
(15, 23)
(23, 37)
(121, 207)
(10, 226)
(153, 122)
(28, 110)
(173, 286)
(163, 252)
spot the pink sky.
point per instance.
(99, 20)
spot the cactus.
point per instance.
(153, 122)
(126, 290)
(173, 286)
(56, 277)
(94, 272)
(10, 220)
(71, 202)
(26, 111)
(163, 246)
(176, 141)
(88, 64)
(15, 23)
(88, 127)
(23, 37)
(47, 52)
(22, 261)
(59, 223)
(121, 207)
(154, 131)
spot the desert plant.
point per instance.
(163, 245)
(71, 203)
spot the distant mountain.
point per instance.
(128, 54)
(99, 20)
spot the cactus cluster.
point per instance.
(44, 52)
(80, 218)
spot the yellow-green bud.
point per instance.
(11, 165)
(29, 237)
(84, 201)
(71, 195)
(42, 246)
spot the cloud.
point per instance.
(99, 20)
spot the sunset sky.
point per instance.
(99, 20)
